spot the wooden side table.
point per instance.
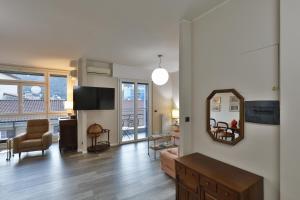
(9, 142)
(99, 146)
(94, 131)
(67, 134)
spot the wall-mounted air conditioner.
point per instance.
(99, 68)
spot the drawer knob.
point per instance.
(206, 183)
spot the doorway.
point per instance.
(135, 111)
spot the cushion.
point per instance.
(36, 128)
(31, 143)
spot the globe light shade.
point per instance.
(160, 76)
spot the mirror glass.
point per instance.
(226, 116)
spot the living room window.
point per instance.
(9, 100)
(28, 93)
(58, 92)
(21, 76)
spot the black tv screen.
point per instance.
(93, 98)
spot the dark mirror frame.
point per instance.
(242, 115)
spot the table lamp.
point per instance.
(175, 116)
(68, 105)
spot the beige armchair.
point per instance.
(167, 161)
(37, 137)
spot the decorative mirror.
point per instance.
(225, 116)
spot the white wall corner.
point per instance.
(82, 115)
(185, 85)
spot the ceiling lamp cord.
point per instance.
(159, 56)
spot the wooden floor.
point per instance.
(124, 172)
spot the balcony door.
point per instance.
(134, 110)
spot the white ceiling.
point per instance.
(50, 33)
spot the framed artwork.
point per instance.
(234, 104)
(216, 104)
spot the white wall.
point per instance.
(236, 46)
(164, 99)
(107, 118)
(185, 86)
(175, 88)
(290, 98)
(162, 104)
(125, 72)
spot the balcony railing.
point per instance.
(12, 126)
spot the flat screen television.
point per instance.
(93, 98)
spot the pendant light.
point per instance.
(160, 76)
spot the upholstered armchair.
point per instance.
(167, 161)
(37, 137)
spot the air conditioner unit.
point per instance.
(97, 67)
(99, 70)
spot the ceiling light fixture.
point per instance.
(160, 76)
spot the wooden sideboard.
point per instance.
(199, 177)
(67, 134)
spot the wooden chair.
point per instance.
(224, 131)
(213, 126)
(128, 124)
(222, 127)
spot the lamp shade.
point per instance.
(175, 113)
(160, 76)
(68, 105)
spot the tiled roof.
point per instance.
(8, 106)
(11, 106)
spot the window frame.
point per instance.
(46, 83)
(18, 90)
(48, 91)
(45, 98)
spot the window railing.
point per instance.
(15, 125)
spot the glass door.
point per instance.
(134, 111)
(142, 104)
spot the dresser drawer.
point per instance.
(188, 178)
(180, 169)
(208, 185)
(226, 194)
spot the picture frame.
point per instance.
(234, 104)
(216, 104)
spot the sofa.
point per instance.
(37, 137)
(167, 161)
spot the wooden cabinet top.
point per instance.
(225, 174)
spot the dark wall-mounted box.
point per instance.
(262, 112)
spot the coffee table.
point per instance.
(161, 142)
